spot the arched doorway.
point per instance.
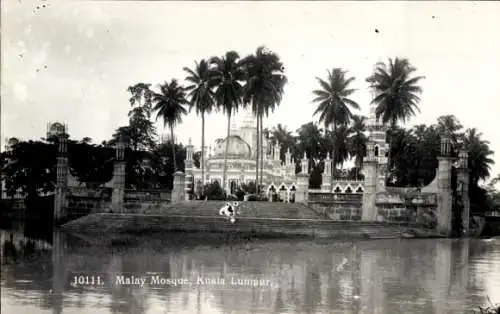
(291, 197)
(271, 193)
(232, 186)
(282, 194)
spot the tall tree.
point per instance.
(395, 92)
(201, 99)
(357, 140)
(281, 136)
(140, 133)
(480, 161)
(449, 126)
(169, 105)
(228, 75)
(263, 90)
(334, 104)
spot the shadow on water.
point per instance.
(383, 276)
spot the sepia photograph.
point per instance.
(205, 157)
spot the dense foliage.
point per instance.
(228, 83)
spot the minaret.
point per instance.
(189, 156)
(370, 167)
(326, 185)
(189, 179)
(248, 130)
(288, 158)
(304, 163)
(277, 152)
(380, 148)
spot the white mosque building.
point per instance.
(277, 175)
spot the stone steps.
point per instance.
(383, 232)
(245, 209)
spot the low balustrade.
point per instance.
(147, 195)
(86, 192)
(328, 197)
(419, 200)
(492, 214)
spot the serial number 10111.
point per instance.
(87, 280)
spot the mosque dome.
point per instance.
(237, 147)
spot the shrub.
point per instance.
(214, 192)
(240, 194)
(249, 188)
(255, 198)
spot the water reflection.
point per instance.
(387, 276)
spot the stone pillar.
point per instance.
(188, 186)
(326, 184)
(445, 201)
(178, 190)
(304, 164)
(288, 158)
(302, 193)
(118, 195)
(369, 210)
(463, 190)
(61, 193)
(189, 156)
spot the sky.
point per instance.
(73, 61)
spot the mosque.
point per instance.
(278, 175)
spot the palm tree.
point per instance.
(263, 89)
(334, 106)
(201, 98)
(169, 103)
(479, 155)
(395, 91)
(339, 138)
(357, 140)
(282, 137)
(228, 75)
(449, 126)
(309, 140)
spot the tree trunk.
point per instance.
(334, 155)
(224, 173)
(261, 151)
(173, 148)
(389, 159)
(202, 151)
(257, 157)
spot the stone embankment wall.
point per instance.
(115, 224)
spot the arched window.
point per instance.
(359, 190)
(376, 151)
(348, 190)
(337, 190)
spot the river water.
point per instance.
(202, 274)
